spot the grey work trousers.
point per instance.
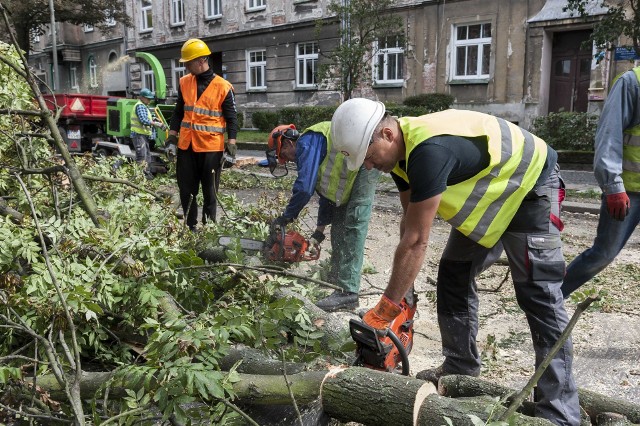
(534, 249)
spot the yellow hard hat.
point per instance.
(192, 49)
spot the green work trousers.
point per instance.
(349, 227)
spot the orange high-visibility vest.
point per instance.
(203, 124)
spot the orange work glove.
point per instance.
(618, 205)
(381, 316)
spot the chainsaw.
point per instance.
(281, 246)
(386, 350)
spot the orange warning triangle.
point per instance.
(77, 106)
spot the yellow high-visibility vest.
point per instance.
(482, 206)
(335, 181)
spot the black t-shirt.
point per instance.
(446, 160)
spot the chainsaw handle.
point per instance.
(401, 350)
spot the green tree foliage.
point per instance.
(141, 301)
(620, 24)
(363, 22)
(29, 16)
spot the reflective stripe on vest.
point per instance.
(631, 153)
(136, 124)
(335, 181)
(482, 206)
(203, 124)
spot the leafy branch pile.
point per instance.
(128, 295)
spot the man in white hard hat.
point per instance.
(205, 109)
(493, 182)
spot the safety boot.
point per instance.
(338, 300)
(433, 374)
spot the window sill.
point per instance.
(177, 24)
(213, 18)
(256, 9)
(257, 90)
(147, 31)
(388, 85)
(305, 88)
(458, 82)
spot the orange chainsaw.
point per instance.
(386, 350)
(281, 246)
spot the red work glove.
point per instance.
(618, 205)
(381, 316)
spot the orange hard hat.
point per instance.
(287, 131)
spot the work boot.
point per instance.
(338, 300)
(432, 374)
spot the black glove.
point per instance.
(280, 222)
(317, 237)
(231, 149)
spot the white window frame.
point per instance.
(146, 15)
(73, 78)
(88, 28)
(177, 12)
(481, 43)
(256, 69)
(177, 70)
(305, 62)
(110, 21)
(254, 5)
(93, 72)
(383, 57)
(148, 78)
(212, 9)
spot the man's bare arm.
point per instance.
(413, 244)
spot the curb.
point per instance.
(575, 207)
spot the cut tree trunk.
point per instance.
(436, 409)
(593, 403)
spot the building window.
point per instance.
(389, 60)
(35, 35)
(256, 69)
(146, 18)
(306, 64)
(148, 80)
(177, 12)
(178, 71)
(110, 21)
(93, 72)
(256, 5)
(73, 78)
(88, 28)
(472, 51)
(212, 9)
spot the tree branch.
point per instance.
(522, 395)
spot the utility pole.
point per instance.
(54, 47)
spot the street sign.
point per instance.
(626, 54)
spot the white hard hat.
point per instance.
(352, 126)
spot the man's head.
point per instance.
(281, 147)
(195, 55)
(146, 96)
(352, 127)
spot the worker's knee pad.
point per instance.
(454, 280)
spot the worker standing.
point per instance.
(346, 198)
(617, 169)
(142, 124)
(205, 109)
(492, 181)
